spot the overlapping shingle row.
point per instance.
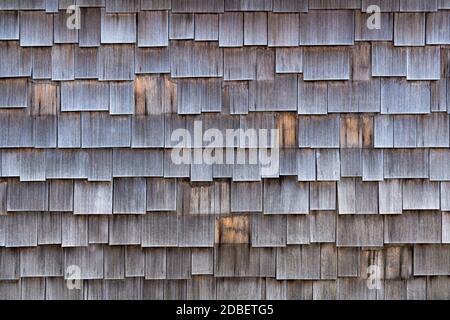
(89, 188)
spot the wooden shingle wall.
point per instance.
(87, 179)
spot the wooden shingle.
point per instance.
(129, 195)
(63, 62)
(125, 229)
(319, 131)
(206, 27)
(157, 23)
(409, 29)
(74, 230)
(359, 230)
(283, 30)
(89, 259)
(327, 27)
(199, 59)
(298, 262)
(62, 34)
(388, 61)
(246, 196)
(231, 29)
(198, 6)
(423, 63)
(9, 25)
(431, 260)
(90, 31)
(363, 33)
(102, 130)
(49, 228)
(92, 197)
(330, 63)
(437, 28)
(118, 28)
(42, 261)
(255, 28)
(406, 163)
(160, 230)
(21, 229)
(405, 97)
(181, 26)
(36, 29)
(14, 93)
(116, 62)
(420, 195)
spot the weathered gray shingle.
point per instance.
(319, 131)
(9, 25)
(359, 230)
(181, 26)
(116, 62)
(99, 130)
(14, 93)
(153, 29)
(255, 28)
(36, 29)
(330, 63)
(231, 29)
(283, 30)
(423, 63)
(199, 59)
(279, 196)
(206, 27)
(402, 97)
(92, 197)
(413, 227)
(409, 29)
(406, 163)
(357, 177)
(437, 28)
